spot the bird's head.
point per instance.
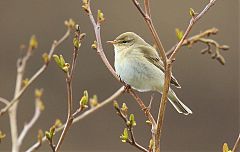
(127, 40)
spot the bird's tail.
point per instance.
(178, 105)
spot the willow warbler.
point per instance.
(138, 64)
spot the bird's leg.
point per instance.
(148, 108)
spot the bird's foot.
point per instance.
(127, 87)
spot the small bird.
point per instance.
(138, 64)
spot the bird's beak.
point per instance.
(112, 42)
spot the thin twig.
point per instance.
(119, 92)
(69, 80)
(29, 125)
(237, 144)
(37, 74)
(4, 101)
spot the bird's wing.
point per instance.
(152, 56)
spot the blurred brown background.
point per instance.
(208, 88)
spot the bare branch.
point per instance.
(237, 144)
(4, 101)
(29, 125)
(119, 92)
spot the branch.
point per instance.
(97, 30)
(4, 101)
(237, 144)
(29, 125)
(119, 92)
(21, 65)
(37, 74)
(77, 42)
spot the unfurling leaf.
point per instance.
(38, 93)
(45, 57)
(70, 23)
(33, 43)
(40, 104)
(124, 109)
(179, 33)
(40, 136)
(93, 101)
(25, 82)
(58, 123)
(76, 43)
(132, 121)
(225, 148)
(2, 136)
(85, 5)
(115, 105)
(61, 63)
(84, 100)
(151, 143)
(124, 136)
(100, 16)
(148, 122)
(192, 12)
(94, 45)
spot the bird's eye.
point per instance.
(124, 41)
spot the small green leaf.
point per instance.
(192, 12)
(84, 100)
(62, 61)
(76, 43)
(225, 148)
(33, 43)
(132, 120)
(45, 57)
(100, 16)
(52, 130)
(48, 135)
(124, 136)
(58, 123)
(93, 101)
(2, 136)
(150, 146)
(124, 108)
(179, 33)
(57, 60)
(115, 105)
(94, 45)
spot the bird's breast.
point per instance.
(137, 72)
